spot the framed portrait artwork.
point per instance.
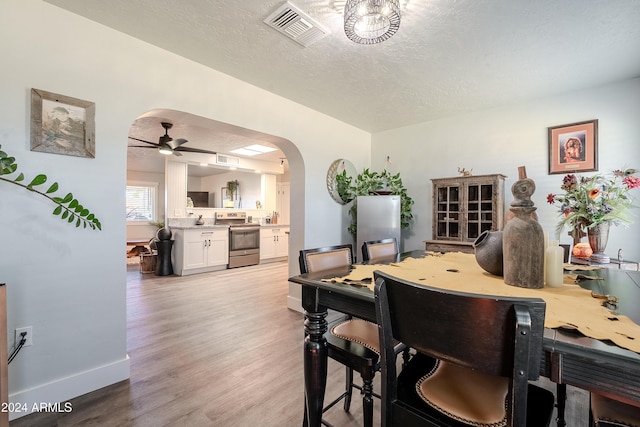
(573, 147)
(62, 125)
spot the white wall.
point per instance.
(70, 284)
(500, 140)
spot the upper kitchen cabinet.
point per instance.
(463, 208)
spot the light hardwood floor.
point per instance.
(217, 349)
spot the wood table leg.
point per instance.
(315, 366)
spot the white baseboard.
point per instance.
(294, 304)
(48, 397)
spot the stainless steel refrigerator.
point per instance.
(378, 218)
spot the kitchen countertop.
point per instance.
(193, 226)
(209, 226)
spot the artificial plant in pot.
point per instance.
(370, 183)
(232, 186)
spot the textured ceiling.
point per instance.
(448, 57)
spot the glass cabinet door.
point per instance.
(479, 209)
(448, 212)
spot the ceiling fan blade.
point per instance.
(176, 143)
(194, 150)
(143, 146)
(176, 153)
(146, 142)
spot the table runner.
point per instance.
(569, 306)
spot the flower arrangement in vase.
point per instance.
(594, 203)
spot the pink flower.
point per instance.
(551, 198)
(631, 181)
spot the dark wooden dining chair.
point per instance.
(350, 341)
(475, 357)
(606, 412)
(383, 248)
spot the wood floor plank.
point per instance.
(217, 349)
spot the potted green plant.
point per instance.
(232, 186)
(370, 183)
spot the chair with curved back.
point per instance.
(475, 357)
(351, 342)
(383, 248)
(606, 412)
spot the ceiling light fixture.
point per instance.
(165, 149)
(371, 21)
(253, 150)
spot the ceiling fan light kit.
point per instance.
(167, 145)
(371, 21)
(165, 149)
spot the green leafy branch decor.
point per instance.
(370, 183)
(67, 207)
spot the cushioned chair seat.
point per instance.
(453, 402)
(359, 331)
(612, 413)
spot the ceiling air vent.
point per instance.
(223, 159)
(295, 24)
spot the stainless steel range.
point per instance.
(244, 238)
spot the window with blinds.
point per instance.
(141, 202)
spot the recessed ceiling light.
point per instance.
(253, 150)
(260, 148)
(245, 152)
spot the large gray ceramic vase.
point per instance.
(488, 250)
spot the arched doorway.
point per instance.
(212, 135)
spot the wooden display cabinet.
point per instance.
(464, 207)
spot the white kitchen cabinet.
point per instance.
(274, 242)
(201, 250)
(283, 201)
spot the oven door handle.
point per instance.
(249, 228)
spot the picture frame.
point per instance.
(573, 147)
(62, 125)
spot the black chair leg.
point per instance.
(561, 400)
(305, 422)
(348, 390)
(367, 402)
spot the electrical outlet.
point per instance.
(28, 337)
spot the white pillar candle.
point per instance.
(554, 265)
(546, 245)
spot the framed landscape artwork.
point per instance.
(573, 147)
(62, 125)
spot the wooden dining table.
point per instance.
(568, 357)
